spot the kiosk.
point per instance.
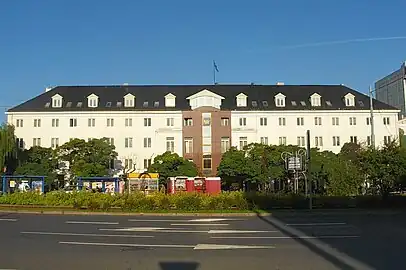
(105, 184)
(144, 182)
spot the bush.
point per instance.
(225, 201)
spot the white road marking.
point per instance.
(146, 229)
(217, 247)
(236, 231)
(126, 245)
(211, 219)
(90, 234)
(199, 224)
(286, 237)
(92, 222)
(318, 224)
(8, 219)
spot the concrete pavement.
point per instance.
(154, 242)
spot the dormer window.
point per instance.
(280, 100)
(92, 101)
(241, 100)
(129, 100)
(349, 100)
(57, 101)
(170, 100)
(315, 100)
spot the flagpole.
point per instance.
(214, 73)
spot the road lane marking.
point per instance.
(90, 234)
(8, 219)
(217, 247)
(199, 224)
(92, 222)
(183, 220)
(236, 231)
(161, 230)
(212, 219)
(156, 220)
(181, 230)
(286, 237)
(126, 245)
(318, 224)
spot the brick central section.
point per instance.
(196, 125)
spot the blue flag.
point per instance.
(215, 66)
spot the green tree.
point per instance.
(8, 147)
(92, 158)
(233, 168)
(171, 164)
(38, 161)
(384, 167)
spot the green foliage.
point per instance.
(8, 147)
(38, 161)
(171, 164)
(90, 158)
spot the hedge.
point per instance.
(190, 202)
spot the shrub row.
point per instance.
(225, 201)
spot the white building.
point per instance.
(200, 122)
(392, 89)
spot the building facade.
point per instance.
(200, 122)
(392, 90)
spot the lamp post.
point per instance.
(294, 162)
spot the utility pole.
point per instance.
(371, 109)
(309, 176)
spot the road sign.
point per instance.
(294, 163)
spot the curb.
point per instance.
(317, 246)
(77, 213)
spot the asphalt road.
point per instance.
(43, 242)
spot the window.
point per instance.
(91, 122)
(225, 144)
(188, 145)
(119, 104)
(386, 120)
(353, 139)
(170, 144)
(55, 122)
(147, 142)
(243, 121)
(156, 104)
(147, 122)
(263, 121)
(254, 103)
(108, 104)
(282, 140)
(170, 122)
(128, 164)
(20, 123)
(368, 121)
(170, 100)
(300, 121)
(188, 122)
(129, 101)
(264, 140)
(300, 141)
(47, 104)
(110, 122)
(225, 121)
(386, 139)
(128, 143)
(349, 100)
(280, 102)
(336, 121)
(110, 141)
(318, 141)
(336, 141)
(69, 104)
(54, 142)
(353, 121)
(20, 143)
(206, 163)
(37, 122)
(241, 100)
(265, 103)
(92, 101)
(317, 121)
(36, 142)
(206, 121)
(73, 122)
(315, 100)
(282, 121)
(369, 141)
(57, 102)
(145, 104)
(128, 122)
(243, 142)
(79, 104)
(147, 163)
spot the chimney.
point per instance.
(48, 89)
(280, 83)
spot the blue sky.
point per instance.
(75, 42)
